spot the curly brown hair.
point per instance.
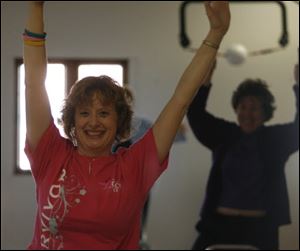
(257, 88)
(110, 92)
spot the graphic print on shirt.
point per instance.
(112, 184)
(63, 195)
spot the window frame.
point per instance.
(71, 67)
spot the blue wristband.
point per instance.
(35, 35)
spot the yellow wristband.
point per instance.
(34, 43)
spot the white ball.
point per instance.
(236, 54)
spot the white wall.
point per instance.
(146, 33)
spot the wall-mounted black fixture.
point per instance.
(283, 40)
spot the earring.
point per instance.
(73, 137)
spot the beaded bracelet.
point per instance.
(210, 44)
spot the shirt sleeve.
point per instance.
(143, 163)
(210, 130)
(285, 137)
(50, 147)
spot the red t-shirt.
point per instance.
(90, 203)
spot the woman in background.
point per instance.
(246, 196)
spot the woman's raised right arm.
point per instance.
(38, 112)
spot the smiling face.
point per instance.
(95, 127)
(250, 114)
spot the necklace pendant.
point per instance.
(90, 168)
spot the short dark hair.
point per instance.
(259, 89)
(110, 91)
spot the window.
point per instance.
(61, 74)
(115, 71)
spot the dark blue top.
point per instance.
(242, 175)
(275, 144)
